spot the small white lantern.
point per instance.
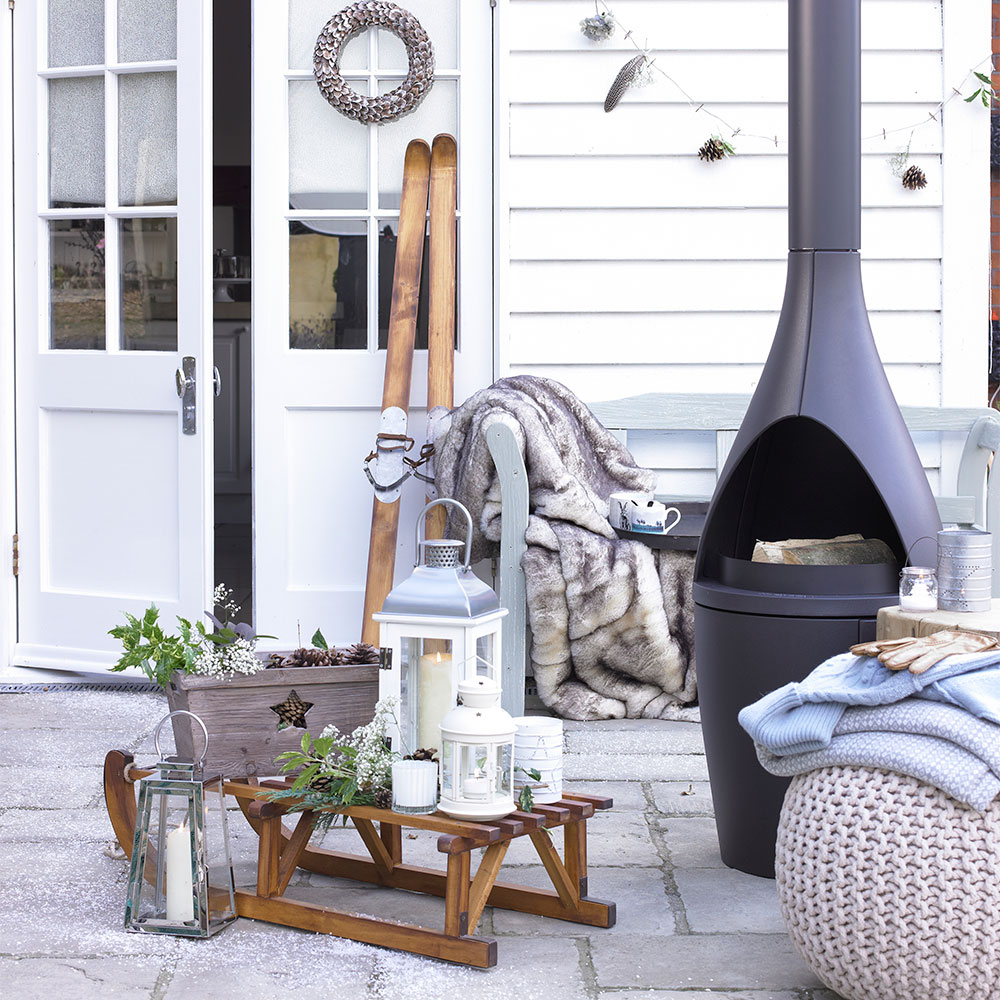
(439, 626)
(477, 755)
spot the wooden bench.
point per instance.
(976, 500)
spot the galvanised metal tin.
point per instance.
(965, 569)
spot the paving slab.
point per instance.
(251, 959)
(627, 795)
(615, 725)
(641, 898)
(52, 747)
(125, 977)
(723, 900)
(51, 787)
(709, 995)
(690, 841)
(29, 825)
(539, 968)
(683, 798)
(120, 714)
(701, 962)
(639, 767)
(661, 738)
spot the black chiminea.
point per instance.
(822, 451)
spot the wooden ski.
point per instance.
(441, 273)
(391, 441)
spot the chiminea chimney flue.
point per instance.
(824, 125)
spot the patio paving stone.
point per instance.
(642, 767)
(128, 978)
(752, 902)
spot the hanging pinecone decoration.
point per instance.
(598, 28)
(311, 657)
(383, 798)
(914, 178)
(625, 78)
(360, 652)
(715, 148)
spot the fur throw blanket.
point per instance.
(611, 620)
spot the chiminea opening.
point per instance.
(822, 452)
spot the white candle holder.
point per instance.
(918, 589)
(414, 787)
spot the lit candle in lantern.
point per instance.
(434, 697)
(180, 882)
(475, 786)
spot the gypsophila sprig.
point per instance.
(336, 771)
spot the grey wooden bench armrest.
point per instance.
(976, 501)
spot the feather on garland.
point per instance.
(626, 76)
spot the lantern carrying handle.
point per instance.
(421, 522)
(180, 711)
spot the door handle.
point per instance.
(216, 380)
(186, 381)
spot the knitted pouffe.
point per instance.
(889, 888)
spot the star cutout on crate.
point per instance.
(292, 712)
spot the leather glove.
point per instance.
(922, 653)
(874, 648)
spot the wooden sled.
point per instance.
(281, 851)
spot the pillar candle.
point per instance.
(434, 697)
(180, 886)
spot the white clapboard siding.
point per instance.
(912, 384)
(632, 266)
(637, 128)
(681, 338)
(716, 25)
(578, 78)
(703, 234)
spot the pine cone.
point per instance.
(623, 81)
(714, 149)
(360, 652)
(310, 657)
(424, 753)
(914, 178)
(322, 783)
(383, 798)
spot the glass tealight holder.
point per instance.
(918, 589)
(414, 786)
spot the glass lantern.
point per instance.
(180, 880)
(477, 755)
(438, 627)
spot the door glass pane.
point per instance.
(147, 29)
(328, 285)
(147, 143)
(439, 18)
(327, 153)
(76, 142)
(76, 32)
(149, 284)
(306, 19)
(76, 283)
(437, 112)
(386, 264)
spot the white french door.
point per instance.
(325, 210)
(113, 168)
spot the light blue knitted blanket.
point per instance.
(942, 726)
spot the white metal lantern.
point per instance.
(477, 754)
(180, 880)
(438, 627)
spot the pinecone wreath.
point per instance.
(360, 652)
(383, 798)
(914, 178)
(714, 149)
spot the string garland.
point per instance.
(601, 26)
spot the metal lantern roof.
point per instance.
(443, 585)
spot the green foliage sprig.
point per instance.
(157, 654)
(985, 93)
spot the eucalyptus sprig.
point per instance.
(526, 800)
(985, 93)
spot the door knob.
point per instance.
(185, 381)
(217, 381)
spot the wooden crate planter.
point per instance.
(244, 737)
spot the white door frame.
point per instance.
(8, 519)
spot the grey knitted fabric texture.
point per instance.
(889, 888)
